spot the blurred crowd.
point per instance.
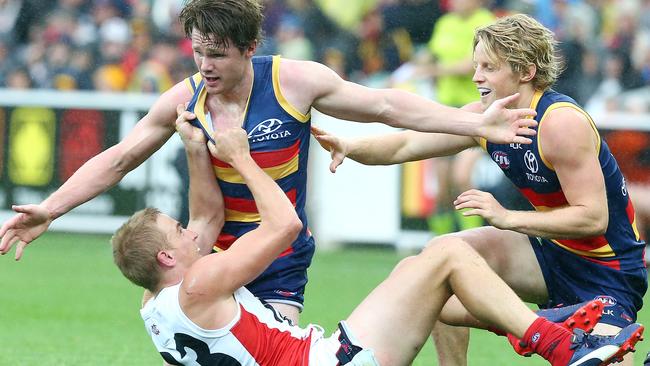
(138, 45)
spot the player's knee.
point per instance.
(403, 263)
(448, 249)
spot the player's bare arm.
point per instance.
(394, 148)
(304, 82)
(218, 275)
(569, 145)
(98, 174)
(206, 216)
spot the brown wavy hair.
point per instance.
(224, 21)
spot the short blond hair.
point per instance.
(522, 41)
(135, 248)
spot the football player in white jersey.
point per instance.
(200, 313)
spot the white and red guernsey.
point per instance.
(256, 336)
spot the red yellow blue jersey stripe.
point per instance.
(525, 165)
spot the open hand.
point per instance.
(337, 147)
(28, 224)
(475, 202)
(504, 126)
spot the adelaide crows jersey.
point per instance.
(278, 135)
(620, 248)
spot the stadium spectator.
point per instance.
(583, 222)
(199, 303)
(276, 114)
(450, 67)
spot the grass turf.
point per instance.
(65, 303)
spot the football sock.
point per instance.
(545, 337)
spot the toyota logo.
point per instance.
(531, 162)
(265, 127)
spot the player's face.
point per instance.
(223, 69)
(493, 80)
(183, 241)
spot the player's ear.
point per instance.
(166, 258)
(528, 73)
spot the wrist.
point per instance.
(52, 212)
(194, 147)
(241, 160)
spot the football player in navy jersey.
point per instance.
(581, 242)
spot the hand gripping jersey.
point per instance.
(255, 336)
(620, 248)
(279, 141)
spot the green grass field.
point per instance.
(65, 303)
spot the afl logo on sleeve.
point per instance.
(501, 159)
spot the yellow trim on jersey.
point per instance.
(288, 107)
(483, 142)
(535, 101)
(197, 79)
(230, 175)
(555, 106)
(199, 110)
(238, 216)
(602, 252)
(637, 236)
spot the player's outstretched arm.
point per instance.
(393, 148)
(398, 108)
(97, 175)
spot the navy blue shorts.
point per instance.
(285, 279)
(571, 279)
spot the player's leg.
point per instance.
(443, 220)
(397, 317)
(451, 344)
(290, 312)
(462, 173)
(511, 256)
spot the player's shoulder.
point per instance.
(302, 70)
(179, 93)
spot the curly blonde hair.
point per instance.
(522, 41)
